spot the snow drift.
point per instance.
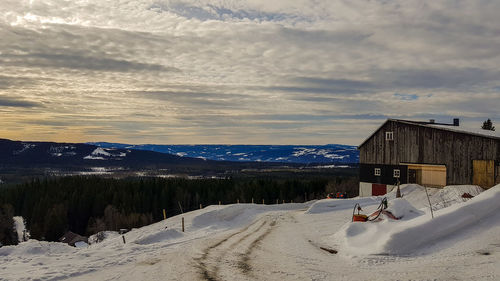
(330, 205)
(416, 231)
(236, 215)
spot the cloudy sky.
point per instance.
(242, 72)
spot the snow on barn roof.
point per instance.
(468, 130)
(446, 127)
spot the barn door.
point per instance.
(483, 173)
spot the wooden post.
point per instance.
(201, 206)
(237, 201)
(398, 191)
(164, 214)
(123, 237)
(283, 201)
(277, 201)
(182, 212)
(262, 201)
(252, 200)
(430, 206)
(219, 203)
(182, 224)
(291, 201)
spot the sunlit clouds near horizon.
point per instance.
(242, 72)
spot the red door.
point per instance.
(378, 189)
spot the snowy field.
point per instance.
(309, 241)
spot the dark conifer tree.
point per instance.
(488, 125)
(8, 235)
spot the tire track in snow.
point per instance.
(208, 273)
(244, 262)
(233, 252)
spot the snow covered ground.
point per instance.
(289, 242)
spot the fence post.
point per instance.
(201, 207)
(219, 203)
(164, 214)
(123, 237)
(430, 205)
(180, 206)
(238, 201)
(182, 224)
(252, 200)
(277, 201)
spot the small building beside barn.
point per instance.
(73, 239)
(427, 153)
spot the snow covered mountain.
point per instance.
(20, 160)
(75, 154)
(328, 154)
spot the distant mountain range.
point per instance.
(26, 153)
(303, 154)
(23, 160)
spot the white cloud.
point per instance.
(212, 71)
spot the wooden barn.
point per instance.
(427, 153)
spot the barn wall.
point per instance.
(426, 145)
(367, 173)
(497, 173)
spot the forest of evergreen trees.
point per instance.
(87, 205)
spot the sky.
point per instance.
(243, 72)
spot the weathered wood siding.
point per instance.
(427, 145)
(497, 173)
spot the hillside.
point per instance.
(293, 241)
(23, 160)
(78, 154)
(304, 154)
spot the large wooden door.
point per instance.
(427, 175)
(483, 173)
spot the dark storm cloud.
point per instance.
(328, 89)
(316, 37)
(7, 101)
(7, 82)
(81, 62)
(317, 85)
(79, 48)
(209, 99)
(451, 78)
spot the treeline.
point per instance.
(8, 235)
(86, 205)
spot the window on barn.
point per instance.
(389, 136)
(377, 172)
(397, 173)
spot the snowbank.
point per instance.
(439, 197)
(331, 205)
(413, 193)
(159, 237)
(403, 210)
(20, 227)
(102, 236)
(238, 214)
(409, 236)
(35, 247)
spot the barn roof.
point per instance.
(457, 129)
